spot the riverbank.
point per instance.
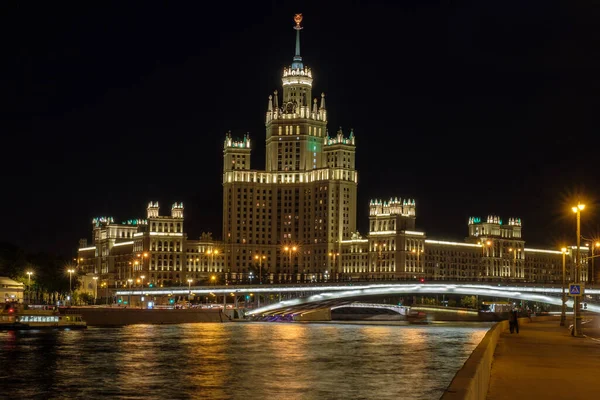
(119, 316)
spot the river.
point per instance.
(236, 361)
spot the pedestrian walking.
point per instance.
(514, 321)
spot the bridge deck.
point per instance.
(544, 362)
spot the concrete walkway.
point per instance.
(544, 361)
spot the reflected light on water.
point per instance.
(238, 361)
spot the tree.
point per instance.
(12, 260)
(469, 301)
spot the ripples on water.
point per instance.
(236, 361)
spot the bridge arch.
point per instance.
(338, 298)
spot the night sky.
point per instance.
(471, 108)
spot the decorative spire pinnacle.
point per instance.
(322, 101)
(297, 64)
(315, 105)
(270, 107)
(276, 105)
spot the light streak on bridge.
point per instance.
(323, 300)
(324, 296)
(403, 287)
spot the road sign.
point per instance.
(575, 289)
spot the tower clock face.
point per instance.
(289, 107)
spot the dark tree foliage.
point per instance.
(49, 270)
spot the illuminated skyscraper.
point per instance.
(294, 214)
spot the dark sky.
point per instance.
(471, 108)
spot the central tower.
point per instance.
(296, 130)
(287, 222)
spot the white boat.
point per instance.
(14, 316)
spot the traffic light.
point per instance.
(247, 297)
(120, 300)
(171, 300)
(422, 280)
(151, 285)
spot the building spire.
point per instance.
(297, 64)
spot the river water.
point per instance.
(236, 361)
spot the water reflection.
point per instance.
(237, 361)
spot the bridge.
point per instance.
(301, 298)
(402, 310)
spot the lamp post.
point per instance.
(142, 296)
(105, 287)
(70, 271)
(95, 278)
(289, 250)
(130, 287)
(29, 273)
(576, 312)
(260, 258)
(332, 254)
(594, 245)
(213, 279)
(563, 314)
(189, 290)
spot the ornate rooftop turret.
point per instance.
(98, 221)
(394, 206)
(340, 139)
(152, 210)
(240, 144)
(514, 221)
(177, 210)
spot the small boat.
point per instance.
(417, 317)
(15, 317)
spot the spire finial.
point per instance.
(297, 64)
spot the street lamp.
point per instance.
(70, 271)
(142, 296)
(29, 273)
(130, 286)
(289, 250)
(563, 314)
(332, 254)
(95, 278)
(594, 245)
(189, 289)
(213, 279)
(260, 258)
(576, 313)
